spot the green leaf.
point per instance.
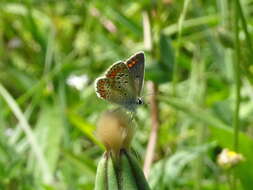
(112, 177)
(83, 163)
(87, 128)
(137, 172)
(127, 180)
(167, 57)
(101, 177)
(49, 130)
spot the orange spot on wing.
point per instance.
(102, 93)
(113, 73)
(101, 88)
(132, 63)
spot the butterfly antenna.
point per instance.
(145, 95)
(149, 94)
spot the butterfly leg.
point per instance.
(132, 116)
(116, 109)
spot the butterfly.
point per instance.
(123, 82)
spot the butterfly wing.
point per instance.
(136, 65)
(117, 85)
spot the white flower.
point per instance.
(77, 82)
(9, 132)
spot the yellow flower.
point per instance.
(228, 158)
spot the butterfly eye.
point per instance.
(139, 101)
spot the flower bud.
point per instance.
(115, 130)
(118, 168)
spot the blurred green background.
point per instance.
(198, 56)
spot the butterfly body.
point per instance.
(122, 83)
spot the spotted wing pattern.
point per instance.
(117, 85)
(136, 65)
(121, 78)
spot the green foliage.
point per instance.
(120, 172)
(47, 124)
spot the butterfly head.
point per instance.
(139, 101)
(131, 106)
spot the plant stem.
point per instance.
(198, 86)
(236, 62)
(237, 73)
(179, 39)
(152, 88)
(248, 40)
(154, 130)
(244, 25)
